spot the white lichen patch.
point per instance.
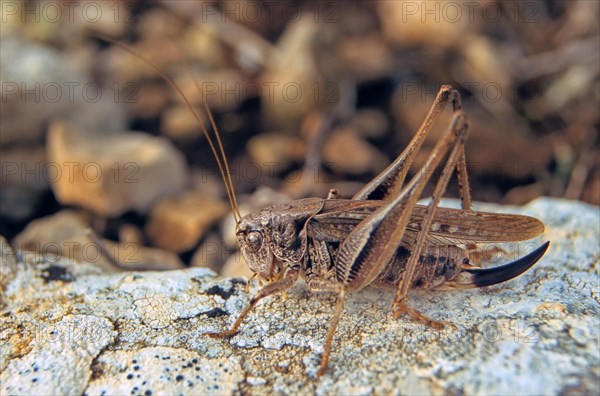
(160, 370)
(60, 356)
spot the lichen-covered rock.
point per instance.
(58, 356)
(72, 329)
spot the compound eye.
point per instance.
(254, 240)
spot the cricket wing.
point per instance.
(338, 218)
(455, 226)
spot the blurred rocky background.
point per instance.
(307, 96)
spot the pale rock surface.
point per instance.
(33, 90)
(41, 84)
(110, 174)
(70, 328)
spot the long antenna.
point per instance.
(226, 176)
(218, 136)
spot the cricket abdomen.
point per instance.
(436, 266)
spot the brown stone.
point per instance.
(236, 267)
(64, 234)
(275, 151)
(180, 124)
(177, 224)
(210, 254)
(346, 152)
(111, 174)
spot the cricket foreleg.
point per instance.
(290, 277)
(247, 288)
(317, 284)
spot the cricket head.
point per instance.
(276, 237)
(253, 233)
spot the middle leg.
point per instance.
(289, 278)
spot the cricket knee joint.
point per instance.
(449, 93)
